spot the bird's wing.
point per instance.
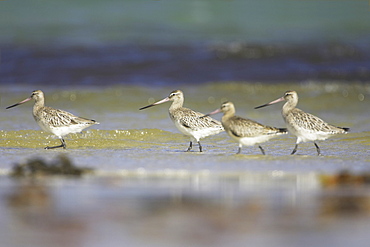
(59, 118)
(309, 122)
(195, 120)
(242, 127)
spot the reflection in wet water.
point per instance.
(345, 195)
(36, 220)
(198, 209)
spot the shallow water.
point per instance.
(123, 126)
(178, 210)
(147, 191)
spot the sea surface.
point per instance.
(106, 59)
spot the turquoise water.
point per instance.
(39, 22)
(177, 42)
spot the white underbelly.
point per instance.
(306, 136)
(250, 141)
(197, 134)
(63, 130)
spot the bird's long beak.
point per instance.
(271, 103)
(211, 113)
(19, 103)
(156, 103)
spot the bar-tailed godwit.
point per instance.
(57, 122)
(245, 131)
(187, 121)
(305, 126)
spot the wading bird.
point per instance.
(57, 122)
(187, 121)
(305, 126)
(245, 131)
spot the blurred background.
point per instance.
(91, 42)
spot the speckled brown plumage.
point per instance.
(58, 122)
(245, 131)
(187, 121)
(305, 126)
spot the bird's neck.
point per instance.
(38, 105)
(227, 116)
(176, 104)
(288, 107)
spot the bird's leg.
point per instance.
(263, 151)
(295, 149)
(200, 147)
(63, 145)
(239, 149)
(190, 146)
(317, 149)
